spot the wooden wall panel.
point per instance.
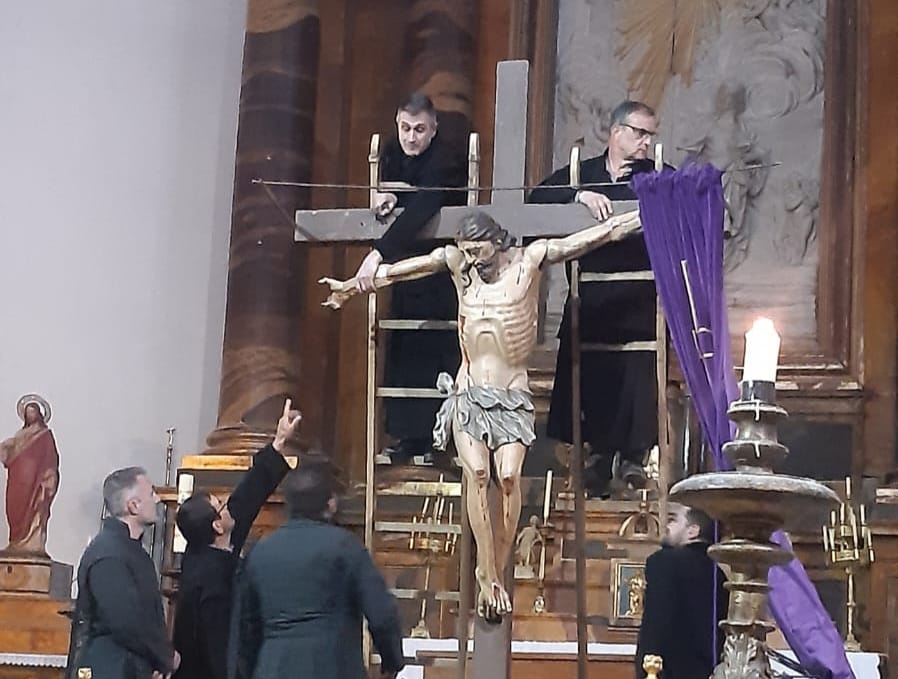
(878, 207)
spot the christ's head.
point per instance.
(33, 414)
(416, 124)
(481, 241)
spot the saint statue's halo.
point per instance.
(37, 399)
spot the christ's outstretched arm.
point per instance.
(387, 274)
(581, 242)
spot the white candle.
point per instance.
(762, 346)
(659, 157)
(179, 544)
(547, 503)
(185, 487)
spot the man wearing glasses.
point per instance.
(216, 532)
(618, 390)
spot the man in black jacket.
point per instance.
(304, 592)
(618, 390)
(215, 534)
(118, 591)
(418, 156)
(685, 598)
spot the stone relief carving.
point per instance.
(738, 83)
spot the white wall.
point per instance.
(117, 131)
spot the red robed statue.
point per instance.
(32, 461)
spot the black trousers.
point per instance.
(416, 357)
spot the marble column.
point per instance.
(439, 56)
(260, 357)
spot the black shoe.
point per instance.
(632, 474)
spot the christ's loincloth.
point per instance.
(490, 414)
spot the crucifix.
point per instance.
(492, 642)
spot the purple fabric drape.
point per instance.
(682, 216)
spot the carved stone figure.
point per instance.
(796, 228)
(489, 409)
(729, 145)
(32, 462)
(528, 539)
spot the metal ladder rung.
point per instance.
(592, 277)
(439, 595)
(648, 345)
(411, 324)
(417, 528)
(409, 392)
(422, 488)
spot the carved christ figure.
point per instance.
(32, 461)
(489, 409)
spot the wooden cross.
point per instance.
(506, 207)
(492, 643)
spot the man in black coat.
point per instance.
(118, 590)
(418, 156)
(215, 534)
(305, 589)
(685, 598)
(618, 389)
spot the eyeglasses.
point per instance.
(641, 133)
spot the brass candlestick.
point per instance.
(752, 502)
(431, 537)
(849, 543)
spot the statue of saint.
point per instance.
(489, 408)
(32, 461)
(528, 539)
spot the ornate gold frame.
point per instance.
(622, 572)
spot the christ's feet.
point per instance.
(493, 601)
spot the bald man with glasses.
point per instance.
(618, 390)
(216, 532)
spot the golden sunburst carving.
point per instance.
(657, 39)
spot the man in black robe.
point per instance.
(685, 598)
(418, 156)
(618, 389)
(216, 532)
(305, 590)
(118, 591)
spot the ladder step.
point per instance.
(422, 488)
(409, 392)
(418, 528)
(590, 277)
(649, 345)
(440, 595)
(412, 324)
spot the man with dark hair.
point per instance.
(618, 390)
(417, 156)
(215, 532)
(118, 593)
(685, 598)
(305, 589)
(488, 410)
